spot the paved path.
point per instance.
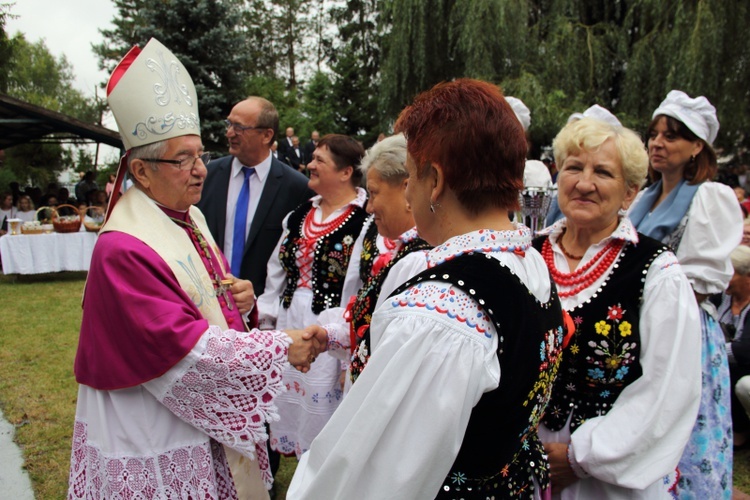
(14, 480)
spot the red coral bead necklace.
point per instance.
(586, 275)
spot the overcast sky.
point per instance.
(69, 27)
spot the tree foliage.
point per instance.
(561, 56)
(34, 75)
(6, 46)
(350, 66)
(356, 65)
(204, 35)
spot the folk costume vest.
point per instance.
(501, 454)
(603, 356)
(361, 308)
(370, 250)
(332, 252)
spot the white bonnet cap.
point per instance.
(697, 114)
(522, 112)
(152, 96)
(597, 113)
(536, 174)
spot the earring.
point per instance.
(433, 205)
(692, 158)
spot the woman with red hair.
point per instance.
(463, 354)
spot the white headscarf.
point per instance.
(597, 113)
(697, 114)
(522, 112)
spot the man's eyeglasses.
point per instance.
(185, 163)
(238, 129)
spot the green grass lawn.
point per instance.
(40, 321)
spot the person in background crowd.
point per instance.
(275, 149)
(49, 202)
(294, 156)
(463, 355)
(15, 190)
(85, 186)
(733, 307)
(746, 231)
(521, 111)
(35, 193)
(309, 148)
(26, 211)
(99, 200)
(63, 196)
(168, 369)
(285, 144)
(7, 211)
(626, 357)
(110, 186)
(701, 222)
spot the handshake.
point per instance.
(306, 345)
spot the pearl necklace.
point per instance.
(586, 275)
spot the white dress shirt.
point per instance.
(236, 179)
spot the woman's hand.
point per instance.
(306, 345)
(561, 474)
(243, 293)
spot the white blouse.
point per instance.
(269, 302)
(710, 230)
(629, 451)
(400, 428)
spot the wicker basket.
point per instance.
(41, 226)
(97, 219)
(67, 223)
(34, 230)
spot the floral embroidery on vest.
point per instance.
(604, 353)
(369, 252)
(501, 455)
(331, 253)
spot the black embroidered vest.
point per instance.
(501, 455)
(370, 251)
(603, 356)
(364, 306)
(332, 254)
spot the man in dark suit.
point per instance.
(275, 189)
(307, 150)
(285, 143)
(294, 156)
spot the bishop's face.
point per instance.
(174, 187)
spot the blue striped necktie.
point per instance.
(240, 222)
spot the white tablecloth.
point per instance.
(47, 253)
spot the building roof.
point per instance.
(21, 122)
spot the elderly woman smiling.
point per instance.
(626, 396)
(401, 253)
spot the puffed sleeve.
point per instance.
(410, 407)
(713, 230)
(333, 318)
(268, 303)
(642, 437)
